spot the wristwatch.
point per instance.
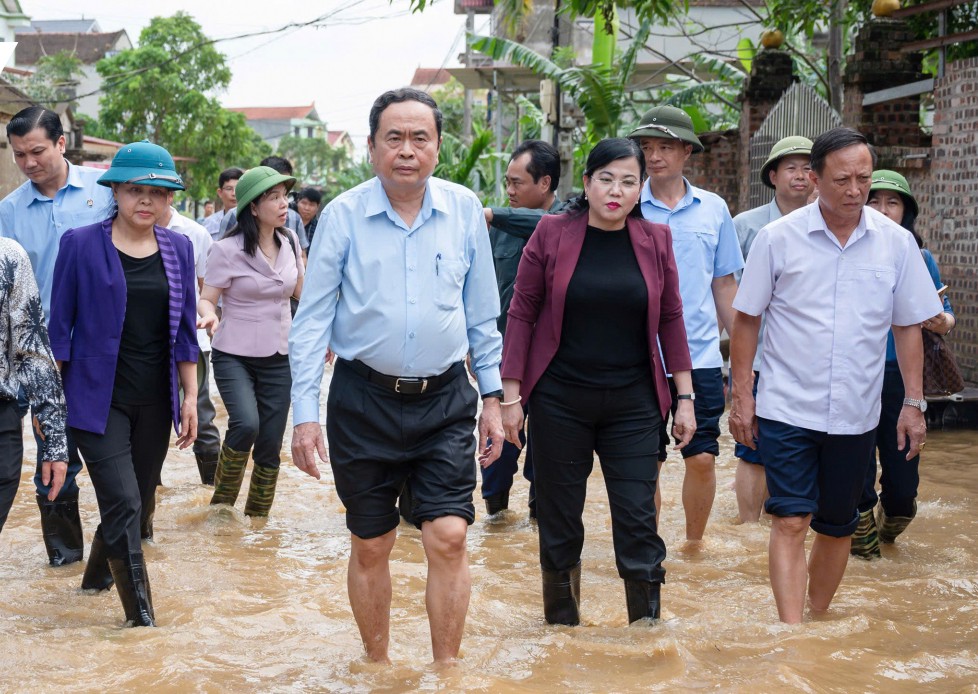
(919, 404)
(686, 396)
(498, 394)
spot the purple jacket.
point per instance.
(88, 306)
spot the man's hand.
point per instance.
(53, 473)
(188, 422)
(490, 432)
(742, 421)
(684, 423)
(487, 211)
(307, 440)
(911, 430)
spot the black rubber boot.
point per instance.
(146, 520)
(97, 576)
(642, 599)
(207, 467)
(497, 503)
(62, 530)
(562, 596)
(132, 582)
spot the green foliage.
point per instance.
(465, 164)
(312, 158)
(745, 53)
(159, 91)
(54, 81)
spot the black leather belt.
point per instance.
(405, 385)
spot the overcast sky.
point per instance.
(366, 47)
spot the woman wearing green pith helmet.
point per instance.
(122, 329)
(257, 269)
(890, 194)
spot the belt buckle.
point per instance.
(422, 381)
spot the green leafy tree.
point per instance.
(54, 81)
(161, 91)
(313, 158)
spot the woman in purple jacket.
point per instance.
(123, 331)
(597, 293)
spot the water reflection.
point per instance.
(247, 605)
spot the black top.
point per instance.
(604, 338)
(142, 372)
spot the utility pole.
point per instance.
(467, 102)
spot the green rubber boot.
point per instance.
(866, 541)
(230, 472)
(891, 526)
(261, 491)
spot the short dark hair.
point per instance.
(309, 193)
(280, 164)
(396, 96)
(544, 160)
(33, 117)
(605, 152)
(832, 141)
(232, 174)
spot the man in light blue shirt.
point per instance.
(56, 197)
(786, 172)
(401, 287)
(707, 255)
(830, 280)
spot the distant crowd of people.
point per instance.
(591, 327)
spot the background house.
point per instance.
(273, 123)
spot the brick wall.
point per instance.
(717, 168)
(950, 221)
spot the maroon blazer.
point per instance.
(536, 313)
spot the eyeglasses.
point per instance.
(628, 183)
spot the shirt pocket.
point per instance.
(449, 280)
(871, 294)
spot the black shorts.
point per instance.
(708, 406)
(378, 438)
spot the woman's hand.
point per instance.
(188, 422)
(513, 423)
(53, 473)
(209, 323)
(684, 423)
(940, 324)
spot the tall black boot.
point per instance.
(97, 576)
(207, 467)
(132, 582)
(642, 599)
(562, 596)
(146, 519)
(62, 530)
(497, 503)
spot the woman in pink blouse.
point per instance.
(255, 270)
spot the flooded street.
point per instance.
(246, 605)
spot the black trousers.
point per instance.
(11, 456)
(255, 391)
(568, 425)
(124, 464)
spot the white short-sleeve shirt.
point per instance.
(828, 309)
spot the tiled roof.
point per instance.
(274, 112)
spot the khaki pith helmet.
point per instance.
(785, 147)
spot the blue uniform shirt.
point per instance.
(935, 274)
(705, 244)
(406, 301)
(37, 222)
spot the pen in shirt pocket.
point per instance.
(437, 263)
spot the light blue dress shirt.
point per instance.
(828, 309)
(406, 301)
(705, 244)
(37, 222)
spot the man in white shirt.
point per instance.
(208, 443)
(226, 183)
(830, 280)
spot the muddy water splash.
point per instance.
(246, 605)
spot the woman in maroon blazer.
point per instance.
(597, 293)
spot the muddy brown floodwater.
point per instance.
(248, 606)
